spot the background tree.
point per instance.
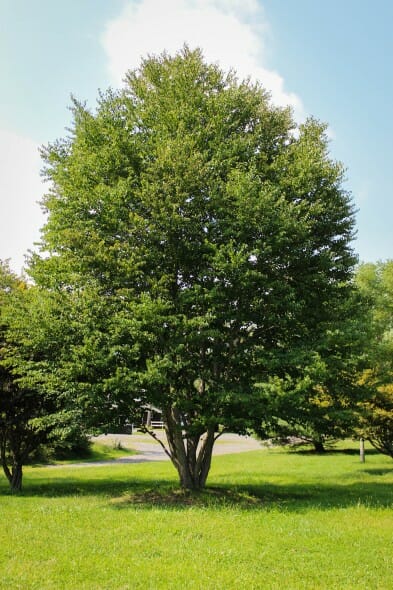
(14, 437)
(212, 237)
(375, 282)
(33, 410)
(317, 400)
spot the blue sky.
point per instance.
(332, 60)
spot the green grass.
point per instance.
(101, 452)
(96, 452)
(269, 519)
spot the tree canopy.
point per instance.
(22, 409)
(34, 409)
(204, 238)
(317, 400)
(375, 282)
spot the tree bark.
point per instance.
(13, 469)
(205, 457)
(16, 478)
(318, 446)
(190, 455)
(6, 469)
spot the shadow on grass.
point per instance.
(302, 497)
(291, 498)
(377, 471)
(76, 486)
(165, 494)
(327, 452)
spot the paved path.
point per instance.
(149, 450)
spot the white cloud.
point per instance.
(230, 32)
(20, 189)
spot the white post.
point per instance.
(362, 457)
(148, 418)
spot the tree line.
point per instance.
(196, 257)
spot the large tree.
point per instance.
(210, 235)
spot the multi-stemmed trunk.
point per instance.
(13, 454)
(14, 475)
(191, 454)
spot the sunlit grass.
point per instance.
(104, 452)
(269, 519)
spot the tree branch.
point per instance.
(157, 439)
(220, 433)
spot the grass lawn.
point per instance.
(100, 452)
(269, 519)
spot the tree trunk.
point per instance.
(14, 476)
(12, 464)
(16, 479)
(191, 456)
(318, 446)
(205, 456)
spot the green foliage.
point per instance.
(75, 444)
(198, 238)
(33, 410)
(317, 400)
(376, 417)
(20, 410)
(84, 451)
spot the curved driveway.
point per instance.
(149, 450)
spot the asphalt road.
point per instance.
(148, 449)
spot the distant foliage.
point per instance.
(375, 281)
(33, 411)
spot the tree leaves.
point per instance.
(198, 237)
